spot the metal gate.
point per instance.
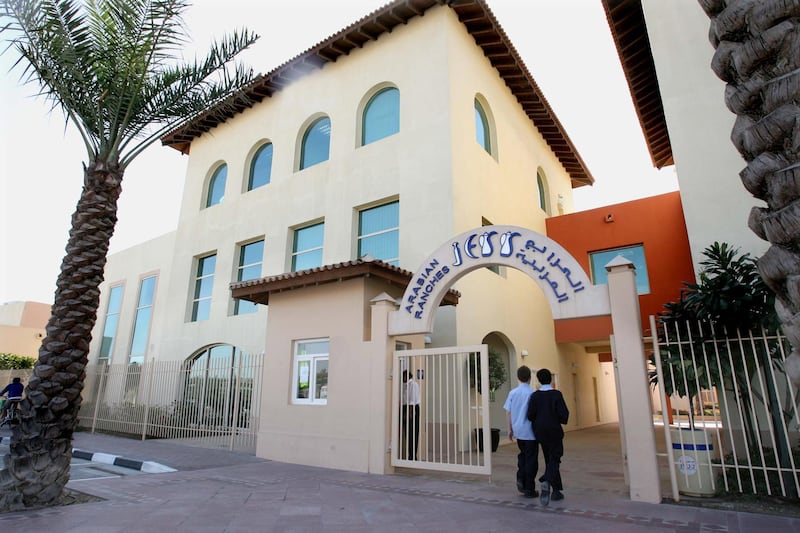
(440, 409)
(731, 413)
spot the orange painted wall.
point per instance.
(657, 223)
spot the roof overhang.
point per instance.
(628, 28)
(259, 290)
(479, 21)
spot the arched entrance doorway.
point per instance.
(501, 366)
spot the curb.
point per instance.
(145, 466)
(148, 467)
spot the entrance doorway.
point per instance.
(500, 373)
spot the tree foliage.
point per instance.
(10, 361)
(730, 300)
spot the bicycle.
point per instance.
(12, 415)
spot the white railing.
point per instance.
(215, 404)
(733, 423)
(450, 431)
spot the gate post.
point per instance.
(634, 395)
(381, 385)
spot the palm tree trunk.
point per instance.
(757, 43)
(37, 467)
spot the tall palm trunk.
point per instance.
(37, 467)
(757, 54)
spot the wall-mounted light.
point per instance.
(428, 339)
(524, 353)
(609, 218)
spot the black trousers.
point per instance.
(552, 451)
(527, 463)
(409, 431)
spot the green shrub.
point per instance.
(10, 361)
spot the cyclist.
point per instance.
(14, 390)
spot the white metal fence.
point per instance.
(450, 430)
(730, 412)
(209, 402)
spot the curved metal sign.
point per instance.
(569, 290)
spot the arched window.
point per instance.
(482, 133)
(216, 186)
(541, 185)
(212, 377)
(381, 116)
(316, 143)
(260, 168)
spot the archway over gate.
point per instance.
(568, 289)
(570, 294)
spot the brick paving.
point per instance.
(220, 491)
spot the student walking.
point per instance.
(519, 426)
(547, 411)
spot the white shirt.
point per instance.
(409, 393)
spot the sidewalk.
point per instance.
(221, 491)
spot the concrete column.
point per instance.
(380, 416)
(636, 412)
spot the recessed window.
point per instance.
(141, 324)
(381, 116)
(310, 376)
(216, 186)
(250, 258)
(307, 248)
(541, 186)
(316, 143)
(378, 232)
(482, 133)
(111, 323)
(260, 168)
(635, 254)
(203, 286)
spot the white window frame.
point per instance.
(313, 359)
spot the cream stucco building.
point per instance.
(414, 124)
(666, 55)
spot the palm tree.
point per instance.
(758, 56)
(108, 65)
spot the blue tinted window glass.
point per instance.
(307, 248)
(379, 218)
(141, 331)
(316, 143)
(206, 265)
(115, 300)
(216, 186)
(635, 254)
(381, 116)
(112, 320)
(310, 237)
(378, 233)
(482, 127)
(202, 310)
(148, 287)
(251, 254)
(144, 312)
(203, 286)
(261, 168)
(304, 260)
(250, 258)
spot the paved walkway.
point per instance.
(220, 491)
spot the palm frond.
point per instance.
(111, 66)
